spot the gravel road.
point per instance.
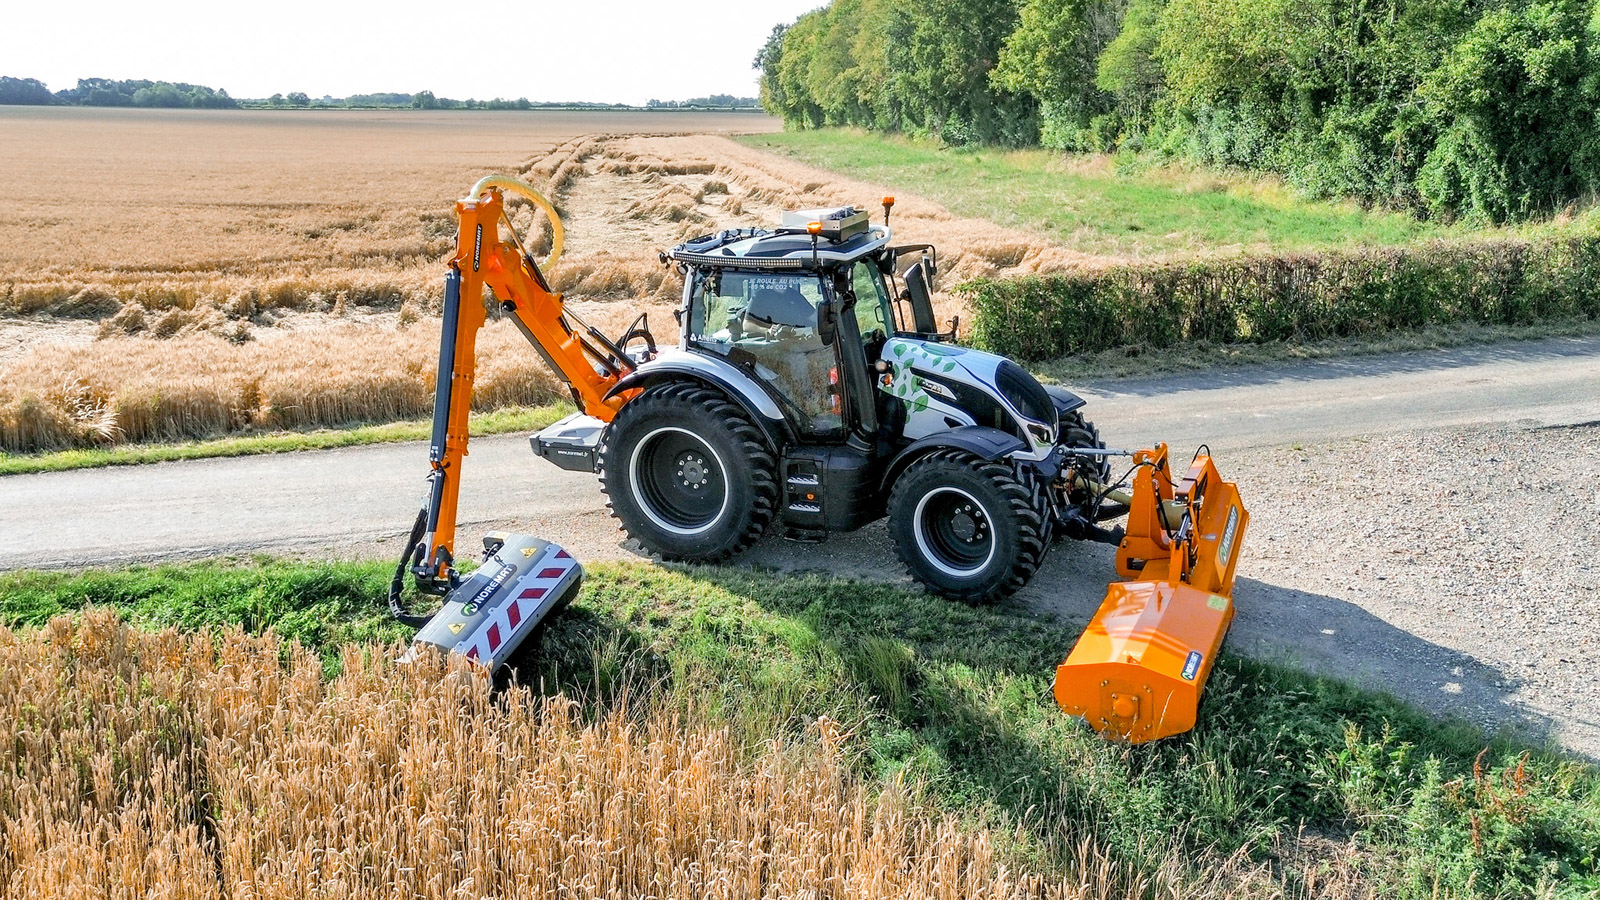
(1421, 522)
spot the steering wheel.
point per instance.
(558, 234)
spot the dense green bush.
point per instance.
(1484, 109)
(139, 92)
(1287, 298)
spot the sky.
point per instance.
(613, 51)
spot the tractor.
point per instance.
(811, 392)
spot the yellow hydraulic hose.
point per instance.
(558, 234)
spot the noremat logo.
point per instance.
(1231, 531)
(477, 247)
(495, 584)
(1191, 666)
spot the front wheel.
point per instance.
(967, 528)
(1076, 431)
(687, 474)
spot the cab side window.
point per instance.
(768, 322)
(872, 303)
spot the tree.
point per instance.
(953, 45)
(424, 100)
(24, 92)
(1052, 55)
(1516, 101)
(1127, 68)
(299, 98)
(276, 100)
(161, 95)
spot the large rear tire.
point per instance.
(967, 528)
(687, 474)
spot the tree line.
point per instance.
(1485, 109)
(715, 101)
(113, 92)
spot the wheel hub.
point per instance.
(692, 472)
(678, 481)
(968, 524)
(953, 531)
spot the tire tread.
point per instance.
(763, 462)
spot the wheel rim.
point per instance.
(954, 532)
(678, 481)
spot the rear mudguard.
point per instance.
(979, 440)
(678, 365)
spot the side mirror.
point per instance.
(919, 290)
(827, 326)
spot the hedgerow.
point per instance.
(1287, 298)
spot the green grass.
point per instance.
(956, 699)
(1088, 204)
(500, 421)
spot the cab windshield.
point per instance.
(767, 323)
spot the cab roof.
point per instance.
(758, 248)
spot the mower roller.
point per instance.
(810, 391)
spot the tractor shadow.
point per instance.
(1310, 632)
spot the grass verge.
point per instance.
(1087, 203)
(1290, 785)
(500, 421)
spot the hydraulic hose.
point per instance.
(558, 234)
(398, 585)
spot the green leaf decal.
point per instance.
(919, 404)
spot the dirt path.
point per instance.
(1420, 521)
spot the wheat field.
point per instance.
(170, 275)
(160, 765)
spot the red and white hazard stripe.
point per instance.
(505, 626)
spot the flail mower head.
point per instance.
(1137, 671)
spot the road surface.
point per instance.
(363, 499)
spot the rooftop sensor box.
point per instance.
(838, 224)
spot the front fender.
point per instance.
(1065, 401)
(979, 440)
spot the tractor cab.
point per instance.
(805, 310)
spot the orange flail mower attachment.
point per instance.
(1138, 669)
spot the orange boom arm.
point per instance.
(584, 359)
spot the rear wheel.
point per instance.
(967, 528)
(687, 474)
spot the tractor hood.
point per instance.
(943, 384)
